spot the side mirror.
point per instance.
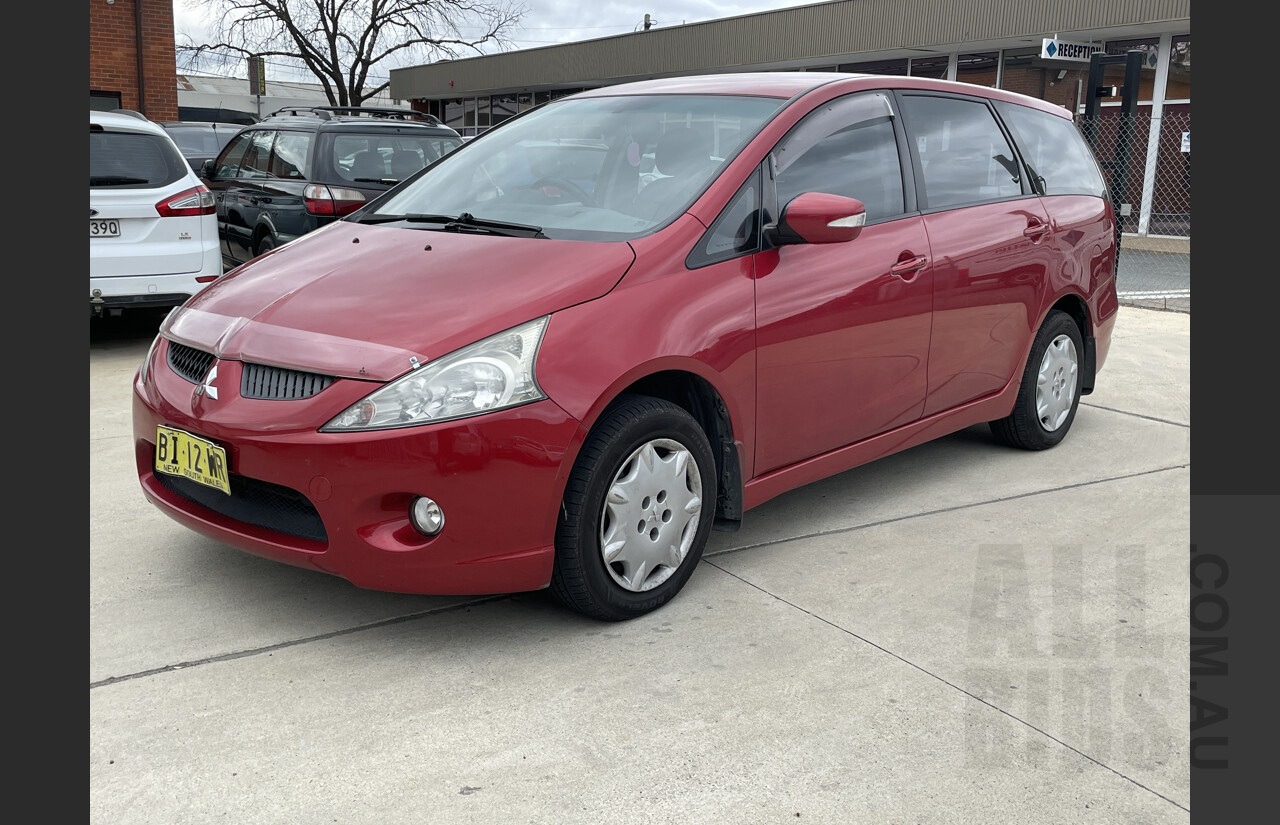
(206, 168)
(817, 217)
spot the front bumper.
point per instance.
(339, 502)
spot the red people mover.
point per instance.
(565, 352)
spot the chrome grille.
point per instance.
(192, 364)
(278, 384)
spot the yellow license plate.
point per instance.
(182, 454)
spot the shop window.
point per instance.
(501, 107)
(934, 67)
(1060, 82)
(889, 67)
(1178, 86)
(1114, 73)
(978, 68)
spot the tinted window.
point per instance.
(289, 157)
(132, 159)
(845, 148)
(228, 164)
(257, 157)
(368, 158)
(199, 140)
(735, 232)
(1060, 160)
(964, 155)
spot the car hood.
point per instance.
(360, 301)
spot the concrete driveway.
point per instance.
(958, 633)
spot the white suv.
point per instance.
(153, 227)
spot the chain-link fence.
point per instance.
(1149, 171)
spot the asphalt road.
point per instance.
(958, 633)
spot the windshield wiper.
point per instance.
(466, 222)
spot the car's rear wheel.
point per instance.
(1050, 391)
(636, 511)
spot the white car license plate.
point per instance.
(104, 228)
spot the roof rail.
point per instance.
(328, 112)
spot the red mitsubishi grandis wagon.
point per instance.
(566, 351)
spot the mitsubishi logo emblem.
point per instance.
(207, 388)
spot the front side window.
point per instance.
(600, 168)
(1060, 160)
(845, 148)
(228, 163)
(964, 156)
(736, 231)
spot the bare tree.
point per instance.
(346, 42)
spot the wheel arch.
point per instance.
(264, 228)
(1075, 306)
(698, 397)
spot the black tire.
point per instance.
(658, 522)
(1029, 427)
(265, 245)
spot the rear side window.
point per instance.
(257, 157)
(964, 156)
(133, 160)
(195, 140)
(1060, 160)
(289, 157)
(373, 158)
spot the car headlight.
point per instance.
(489, 375)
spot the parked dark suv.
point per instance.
(300, 168)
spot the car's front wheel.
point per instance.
(637, 511)
(1050, 391)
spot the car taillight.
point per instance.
(197, 201)
(331, 200)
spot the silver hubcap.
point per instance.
(1056, 383)
(651, 515)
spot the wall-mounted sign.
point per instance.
(1054, 49)
(1186, 142)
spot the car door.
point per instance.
(843, 329)
(990, 237)
(221, 182)
(281, 200)
(244, 195)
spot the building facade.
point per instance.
(996, 43)
(131, 57)
(1038, 49)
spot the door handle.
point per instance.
(253, 200)
(1036, 230)
(909, 267)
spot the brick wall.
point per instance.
(113, 55)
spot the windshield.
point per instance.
(607, 168)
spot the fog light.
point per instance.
(427, 516)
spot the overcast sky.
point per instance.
(549, 22)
